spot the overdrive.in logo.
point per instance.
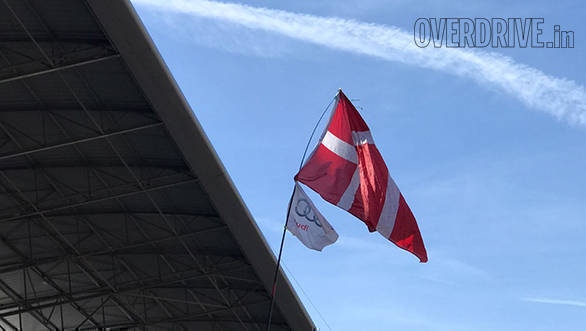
(484, 32)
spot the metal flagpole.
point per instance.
(275, 278)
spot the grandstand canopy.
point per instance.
(115, 212)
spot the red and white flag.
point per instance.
(347, 170)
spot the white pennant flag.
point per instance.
(307, 223)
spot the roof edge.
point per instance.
(125, 30)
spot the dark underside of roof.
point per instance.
(103, 223)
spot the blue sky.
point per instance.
(490, 156)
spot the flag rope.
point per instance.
(275, 278)
(307, 296)
(315, 128)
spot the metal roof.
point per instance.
(115, 211)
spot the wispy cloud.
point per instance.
(549, 301)
(560, 97)
(213, 33)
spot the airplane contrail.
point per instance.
(560, 97)
(574, 303)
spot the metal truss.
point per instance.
(58, 68)
(103, 284)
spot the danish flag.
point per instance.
(347, 170)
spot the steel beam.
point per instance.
(58, 68)
(79, 141)
(197, 317)
(153, 282)
(117, 250)
(12, 294)
(91, 201)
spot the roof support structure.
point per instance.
(178, 117)
(153, 188)
(107, 218)
(58, 68)
(79, 141)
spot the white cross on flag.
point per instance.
(347, 170)
(307, 223)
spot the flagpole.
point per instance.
(276, 278)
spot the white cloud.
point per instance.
(225, 36)
(563, 98)
(549, 301)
